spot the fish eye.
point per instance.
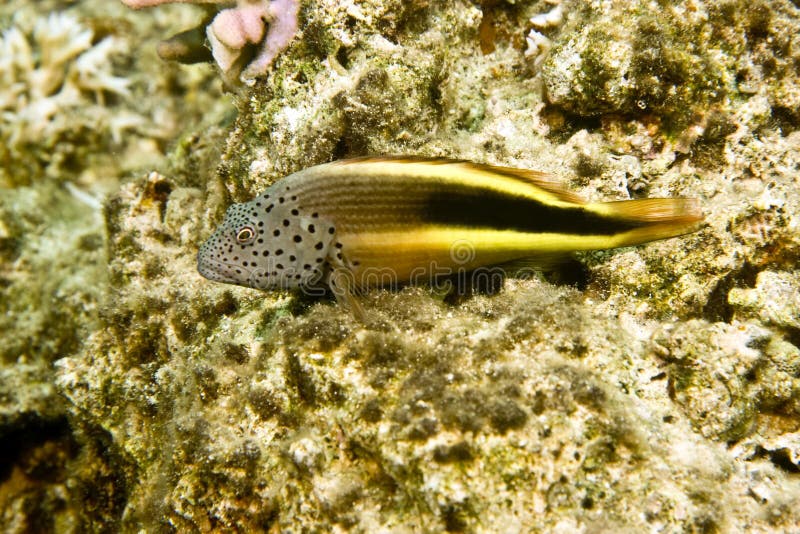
(245, 235)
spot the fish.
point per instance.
(355, 224)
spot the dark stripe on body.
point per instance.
(408, 200)
(485, 208)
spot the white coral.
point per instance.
(49, 69)
(55, 80)
(538, 44)
(92, 70)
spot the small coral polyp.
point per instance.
(267, 25)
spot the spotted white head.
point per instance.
(268, 243)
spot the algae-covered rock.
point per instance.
(52, 265)
(774, 300)
(632, 58)
(650, 388)
(73, 123)
(675, 60)
(728, 376)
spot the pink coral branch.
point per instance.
(235, 28)
(270, 25)
(283, 14)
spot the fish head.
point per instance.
(270, 242)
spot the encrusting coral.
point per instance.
(267, 24)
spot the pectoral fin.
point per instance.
(343, 287)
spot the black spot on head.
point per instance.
(319, 245)
(269, 208)
(255, 253)
(261, 240)
(306, 266)
(311, 228)
(331, 230)
(315, 215)
(297, 238)
(279, 252)
(261, 223)
(276, 233)
(281, 200)
(319, 260)
(292, 257)
(295, 212)
(286, 222)
(338, 245)
(279, 266)
(294, 197)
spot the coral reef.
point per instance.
(654, 388)
(52, 282)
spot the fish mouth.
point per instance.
(219, 271)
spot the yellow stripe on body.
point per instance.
(438, 250)
(465, 174)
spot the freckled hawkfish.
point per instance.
(363, 222)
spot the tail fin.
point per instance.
(654, 210)
(660, 218)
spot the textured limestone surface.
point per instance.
(74, 125)
(654, 388)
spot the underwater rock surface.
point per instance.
(655, 388)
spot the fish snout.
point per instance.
(218, 271)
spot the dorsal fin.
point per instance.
(538, 179)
